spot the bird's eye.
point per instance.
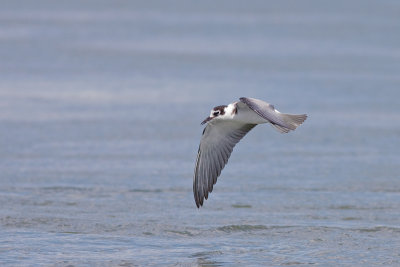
(216, 113)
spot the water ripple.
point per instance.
(241, 228)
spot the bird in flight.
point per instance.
(226, 125)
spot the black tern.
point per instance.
(226, 125)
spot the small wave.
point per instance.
(148, 233)
(379, 229)
(241, 206)
(353, 207)
(43, 203)
(184, 233)
(241, 228)
(289, 263)
(207, 258)
(64, 188)
(205, 254)
(351, 219)
(158, 190)
(344, 207)
(145, 190)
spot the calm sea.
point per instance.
(100, 111)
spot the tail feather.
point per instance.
(293, 121)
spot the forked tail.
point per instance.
(291, 121)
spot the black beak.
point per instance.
(206, 120)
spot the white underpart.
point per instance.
(246, 115)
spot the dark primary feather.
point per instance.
(216, 145)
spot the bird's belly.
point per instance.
(249, 116)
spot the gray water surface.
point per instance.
(100, 111)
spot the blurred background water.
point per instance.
(100, 111)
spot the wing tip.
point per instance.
(197, 200)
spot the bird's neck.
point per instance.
(231, 110)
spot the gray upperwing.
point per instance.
(216, 145)
(283, 122)
(265, 110)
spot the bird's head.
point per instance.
(215, 112)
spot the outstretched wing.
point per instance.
(281, 121)
(216, 145)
